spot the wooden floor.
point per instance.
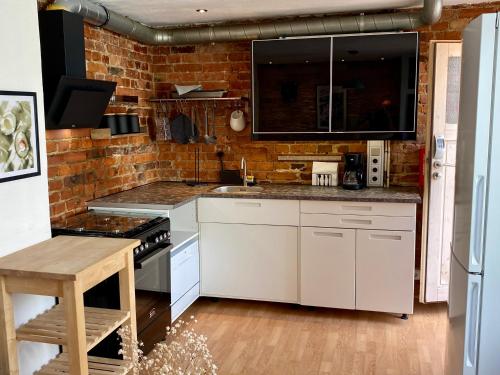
(255, 338)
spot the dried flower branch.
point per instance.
(184, 352)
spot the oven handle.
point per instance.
(153, 256)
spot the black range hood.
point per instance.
(71, 100)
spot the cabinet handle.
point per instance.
(248, 204)
(328, 234)
(356, 221)
(357, 208)
(385, 237)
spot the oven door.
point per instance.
(153, 297)
(152, 273)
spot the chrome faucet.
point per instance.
(243, 166)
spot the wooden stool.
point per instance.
(66, 267)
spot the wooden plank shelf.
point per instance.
(97, 366)
(50, 327)
(205, 99)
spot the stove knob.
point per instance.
(146, 245)
(136, 251)
(168, 234)
(141, 248)
(157, 239)
(163, 236)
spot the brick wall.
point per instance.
(81, 169)
(227, 66)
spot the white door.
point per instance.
(327, 267)
(249, 261)
(440, 176)
(385, 266)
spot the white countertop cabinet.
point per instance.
(327, 267)
(350, 255)
(249, 248)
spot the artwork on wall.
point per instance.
(19, 145)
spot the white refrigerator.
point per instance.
(474, 304)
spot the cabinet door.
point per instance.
(249, 261)
(327, 267)
(385, 265)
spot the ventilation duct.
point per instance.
(101, 16)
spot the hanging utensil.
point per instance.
(206, 136)
(208, 139)
(213, 122)
(193, 133)
(181, 127)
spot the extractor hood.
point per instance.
(71, 100)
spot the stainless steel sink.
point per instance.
(238, 189)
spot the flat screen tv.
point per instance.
(361, 86)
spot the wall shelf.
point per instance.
(124, 100)
(171, 100)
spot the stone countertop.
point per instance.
(170, 195)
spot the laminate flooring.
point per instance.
(254, 338)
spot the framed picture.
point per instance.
(19, 144)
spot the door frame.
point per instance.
(428, 161)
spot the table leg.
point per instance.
(8, 346)
(75, 317)
(127, 295)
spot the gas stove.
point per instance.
(152, 263)
(154, 232)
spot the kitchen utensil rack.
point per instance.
(55, 269)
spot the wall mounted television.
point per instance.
(350, 87)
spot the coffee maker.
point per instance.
(354, 171)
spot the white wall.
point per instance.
(24, 204)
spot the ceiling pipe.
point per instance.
(99, 15)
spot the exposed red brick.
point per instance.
(80, 169)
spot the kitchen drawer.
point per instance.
(185, 269)
(185, 301)
(248, 211)
(358, 221)
(358, 208)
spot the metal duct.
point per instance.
(99, 15)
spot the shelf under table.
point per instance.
(97, 366)
(50, 326)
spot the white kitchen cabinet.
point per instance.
(249, 261)
(385, 263)
(327, 267)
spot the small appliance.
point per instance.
(354, 171)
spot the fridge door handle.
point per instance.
(479, 221)
(472, 323)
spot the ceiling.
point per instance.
(183, 12)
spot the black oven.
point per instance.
(152, 273)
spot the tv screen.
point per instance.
(342, 87)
